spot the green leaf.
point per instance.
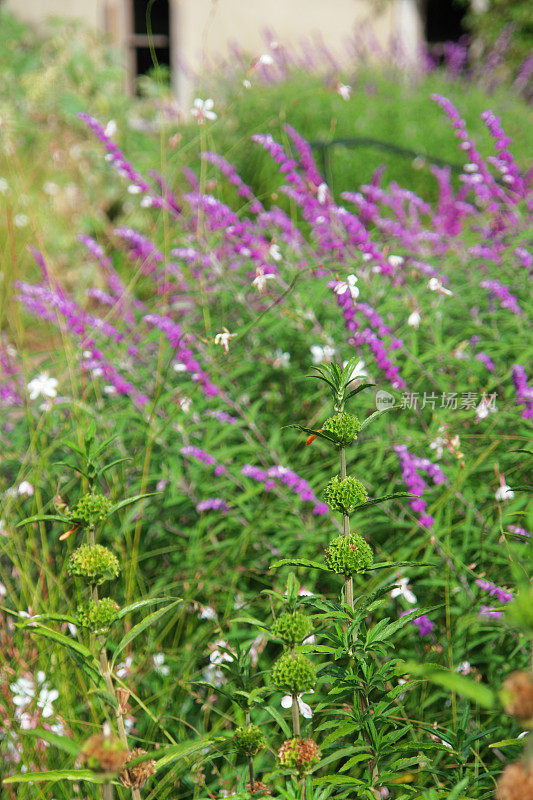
(57, 775)
(396, 564)
(353, 392)
(373, 417)
(507, 743)
(377, 500)
(42, 517)
(480, 693)
(299, 562)
(63, 743)
(319, 434)
(275, 714)
(132, 634)
(129, 500)
(125, 610)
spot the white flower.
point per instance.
(265, 60)
(179, 367)
(49, 187)
(146, 202)
(504, 492)
(275, 252)
(218, 656)
(134, 189)
(344, 91)
(322, 193)
(42, 386)
(4, 186)
(281, 360)
(110, 128)
(3, 590)
(207, 612)
(305, 710)
(464, 668)
(438, 446)
(402, 588)
(358, 371)
(246, 83)
(20, 220)
(224, 338)
(320, 354)
(23, 691)
(395, 261)
(261, 279)
(470, 167)
(485, 408)
(46, 697)
(185, 404)
(414, 319)
(159, 664)
(123, 669)
(25, 487)
(435, 285)
(213, 674)
(341, 287)
(202, 110)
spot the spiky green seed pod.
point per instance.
(345, 495)
(291, 627)
(96, 564)
(91, 509)
(344, 427)
(299, 754)
(248, 740)
(349, 555)
(97, 615)
(294, 672)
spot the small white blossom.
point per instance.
(322, 354)
(358, 371)
(42, 386)
(402, 589)
(504, 492)
(435, 285)
(413, 320)
(159, 664)
(344, 91)
(134, 189)
(20, 220)
(305, 710)
(110, 128)
(123, 669)
(348, 286)
(438, 446)
(260, 280)
(470, 167)
(485, 408)
(185, 404)
(224, 338)
(275, 252)
(202, 110)
(26, 488)
(395, 261)
(265, 60)
(322, 193)
(23, 691)
(281, 360)
(207, 612)
(464, 668)
(246, 83)
(146, 201)
(219, 656)
(179, 367)
(4, 186)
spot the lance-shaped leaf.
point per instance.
(299, 562)
(328, 436)
(57, 775)
(125, 610)
(63, 743)
(132, 634)
(480, 693)
(378, 500)
(129, 500)
(373, 417)
(353, 392)
(43, 517)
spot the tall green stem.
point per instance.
(348, 585)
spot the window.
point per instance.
(140, 41)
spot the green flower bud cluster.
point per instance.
(294, 672)
(97, 615)
(291, 627)
(344, 427)
(349, 555)
(345, 495)
(94, 563)
(249, 739)
(91, 509)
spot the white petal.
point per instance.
(286, 702)
(305, 710)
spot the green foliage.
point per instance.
(97, 615)
(294, 672)
(291, 627)
(249, 740)
(96, 564)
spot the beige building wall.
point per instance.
(202, 31)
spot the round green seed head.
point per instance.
(91, 509)
(344, 427)
(96, 564)
(299, 754)
(97, 615)
(248, 740)
(292, 628)
(345, 495)
(349, 555)
(294, 672)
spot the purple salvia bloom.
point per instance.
(502, 292)
(524, 392)
(290, 479)
(504, 162)
(525, 257)
(495, 591)
(424, 625)
(204, 458)
(212, 504)
(235, 179)
(96, 360)
(486, 360)
(221, 416)
(305, 154)
(518, 531)
(411, 465)
(489, 612)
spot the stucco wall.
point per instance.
(35, 11)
